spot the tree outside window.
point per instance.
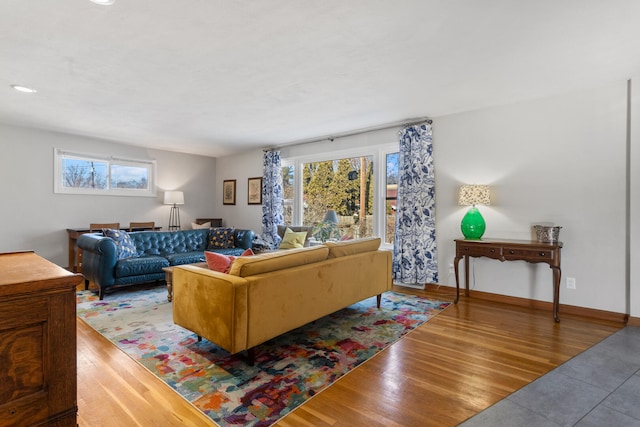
(344, 185)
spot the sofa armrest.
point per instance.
(244, 238)
(211, 304)
(99, 257)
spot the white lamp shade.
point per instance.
(474, 195)
(173, 198)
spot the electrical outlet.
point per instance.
(450, 268)
(571, 282)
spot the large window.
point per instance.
(344, 185)
(359, 187)
(288, 192)
(85, 174)
(391, 195)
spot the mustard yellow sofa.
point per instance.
(269, 294)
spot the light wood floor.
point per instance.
(457, 364)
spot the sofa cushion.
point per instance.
(352, 247)
(124, 245)
(222, 263)
(243, 238)
(221, 238)
(278, 260)
(292, 239)
(185, 257)
(169, 242)
(148, 264)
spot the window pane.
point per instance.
(133, 177)
(391, 198)
(343, 185)
(287, 189)
(78, 173)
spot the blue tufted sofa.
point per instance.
(154, 251)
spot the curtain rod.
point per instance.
(331, 138)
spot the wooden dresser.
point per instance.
(38, 382)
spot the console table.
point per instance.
(510, 250)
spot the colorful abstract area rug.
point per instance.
(288, 370)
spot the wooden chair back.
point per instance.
(98, 227)
(150, 225)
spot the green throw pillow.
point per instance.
(292, 240)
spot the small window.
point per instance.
(85, 174)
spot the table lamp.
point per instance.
(174, 198)
(473, 224)
(331, 216)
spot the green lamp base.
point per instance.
(473, 224)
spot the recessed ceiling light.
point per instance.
(23, 89)
(103, 2)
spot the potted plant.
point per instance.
(326, 230)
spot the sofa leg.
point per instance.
(101, 294)
(199, 338)
(86, 284)
(251, 356)
(378, 299)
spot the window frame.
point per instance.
(60, 188)
(377, 152)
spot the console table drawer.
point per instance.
(481, 250)
(533, 255)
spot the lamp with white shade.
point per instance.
(174, 198)
(473, 224)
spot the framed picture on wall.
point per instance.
(229, 192)
(254, 191)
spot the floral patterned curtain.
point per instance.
(414, 253)
(272, 198)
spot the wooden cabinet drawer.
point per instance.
(532, 255)
(480, 250)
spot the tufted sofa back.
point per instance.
(169, 242)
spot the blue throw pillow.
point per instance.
(125, 246)
(221, 238)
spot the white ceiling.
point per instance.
(214, 77)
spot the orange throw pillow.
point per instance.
(222, 263)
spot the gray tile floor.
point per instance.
(599, 387)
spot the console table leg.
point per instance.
(556, 292)
(456, 261)
(466, 275)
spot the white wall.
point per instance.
(239, 167)
(559, 160)
(634, 232)
(34, 218)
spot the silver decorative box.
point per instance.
(547, 234)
